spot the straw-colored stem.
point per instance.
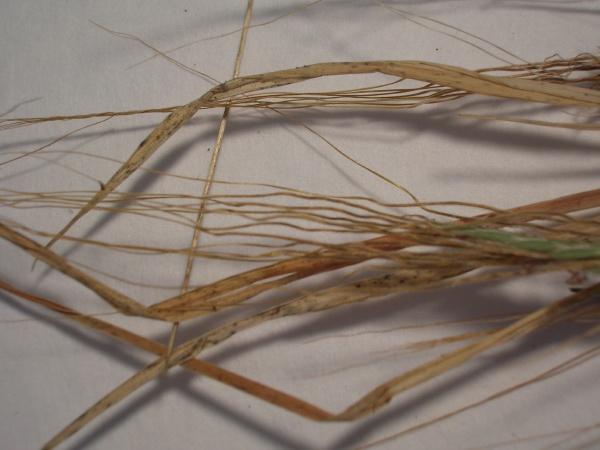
(258, 390)
(369, 403)
(120, 301)
(439, 74)
(320, 262)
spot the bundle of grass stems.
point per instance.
(370, 249)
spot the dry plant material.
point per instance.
(456, 80)
(496, 245)
(431, 271)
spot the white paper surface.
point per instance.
(55, 61)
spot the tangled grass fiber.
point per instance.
(417, 246)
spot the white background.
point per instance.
(55, 61)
